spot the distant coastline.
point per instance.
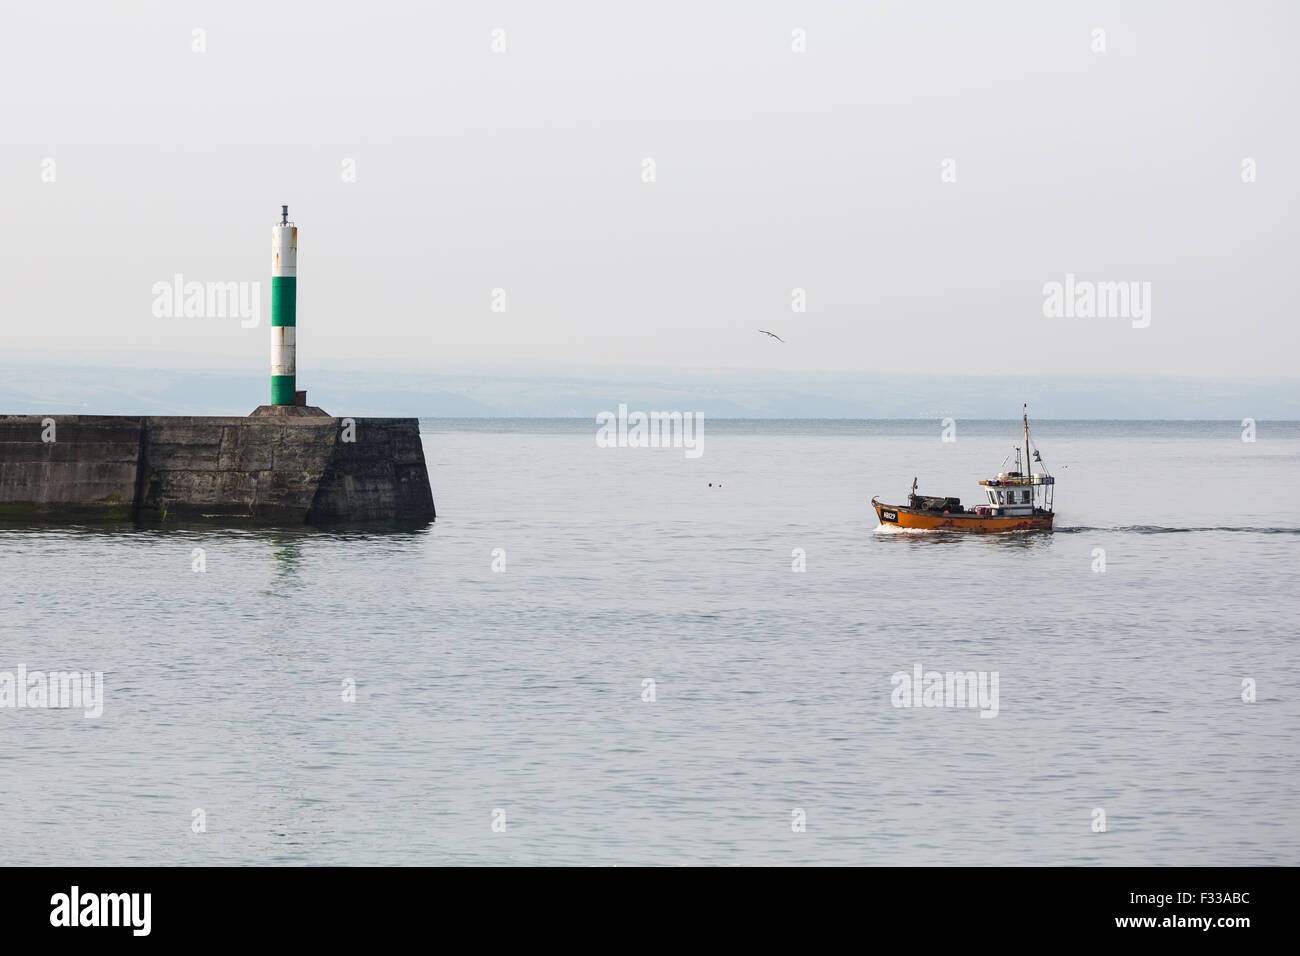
(206, 385)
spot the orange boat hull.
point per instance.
(891, 515)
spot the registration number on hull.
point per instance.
(889, 516)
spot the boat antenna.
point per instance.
(1037, 455)
(1026, 420)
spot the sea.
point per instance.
(622, 656)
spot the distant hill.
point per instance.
(184, 385)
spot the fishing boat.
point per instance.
(1015, 501)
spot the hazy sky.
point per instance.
(523, 170)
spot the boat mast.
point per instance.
(1025, 471)
(1026, 420)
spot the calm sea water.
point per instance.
(519, 695)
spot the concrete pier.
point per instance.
(280, 465)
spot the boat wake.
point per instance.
(890, 529)
(1160, 529)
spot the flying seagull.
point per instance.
(773, 334)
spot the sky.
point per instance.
(920, 171)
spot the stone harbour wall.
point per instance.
(280, 465)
